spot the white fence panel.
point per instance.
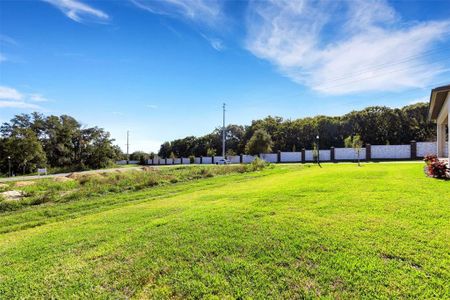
(309, 155)
(391, 151)
(217, 158)
(185, 161)
(234, 159)
(177, 161)
(291, 156)
(197, 160)
(324, 155)
(207, 160)
(349, 154)
(248, 159)
(169, 161)
(270, 157)
(424, 148)
(162, 161)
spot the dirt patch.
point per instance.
(24, 183)
(3, 186)
(62, 179)
(148, 169)
(12, 195)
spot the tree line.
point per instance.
(30, 141)
(377, 125)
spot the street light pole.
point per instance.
(223, 133)
(318, 151)
(9, 166)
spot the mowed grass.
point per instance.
(293, 231)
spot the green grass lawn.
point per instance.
(293, 231)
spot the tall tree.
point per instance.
(260, 142)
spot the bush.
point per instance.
(436, 168)
(257, 165)
(192, 159)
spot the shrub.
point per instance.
(258, 164)
(436, 168)
(429, 158)
(192, 159)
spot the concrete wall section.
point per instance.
(291, 156)
(270, 157)
(349, 154)
(391, 151)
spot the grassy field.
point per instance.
(292, 231)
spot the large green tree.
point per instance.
(260, 142)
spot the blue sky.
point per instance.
(162, 69)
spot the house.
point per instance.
(439, 110)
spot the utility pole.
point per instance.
(128, 147)
(223, 133)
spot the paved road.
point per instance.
(22, 178)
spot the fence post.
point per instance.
(241, 158)
(413, 149)
(165, 161)
(212, 159)
(368, 152)
(278, 156)
(201, 160)
(303, 155)
(332, 154)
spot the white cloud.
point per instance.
(8, 93)
(202, 11)
(37, 98)
(2, 58)
(78, 11)
(370, 51)
(152, 106)
(18, 104)
(12, 98)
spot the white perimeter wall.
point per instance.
(391, 151)
(197, 160)
(325, 155)
(206, 160)
(291, 156)
(235, 159)
(185, 161)
(349, 154)
(309, 155)
(270, 157)
(248, 159)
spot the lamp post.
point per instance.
(318, 151)
(9, 166)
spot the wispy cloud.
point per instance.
(362, 53)
(18, 104)
(152, 106)
(216, 43)
(9, 93)
(37, 98)
(202, 11)
(79, 11)
(12, 98)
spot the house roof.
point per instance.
(437, 99)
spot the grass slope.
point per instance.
(379, 231)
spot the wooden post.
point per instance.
(303, 155)
(241, 158)
(278, 156)
(332, 154)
